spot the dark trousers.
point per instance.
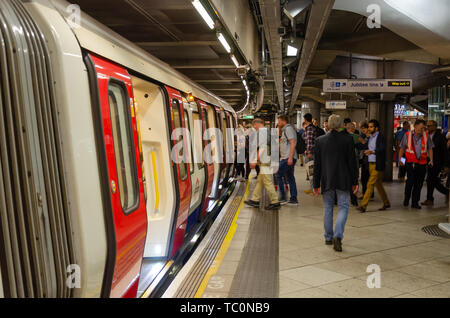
(240, 169)
(365, 174)
(433, 182)
(284, 170)
(401, 171)
(414, 182)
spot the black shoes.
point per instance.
(292, 202)
(416, 206)
(406, 203)
(384, 207)
(251, 203)
(275, 206)
(337, 242)
(328, 242)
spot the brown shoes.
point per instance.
(361, 209)
(427, 203)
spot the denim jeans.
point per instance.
(343, 198)
(288, 171)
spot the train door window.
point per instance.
(177, 124)
(187, 124)
(123, 145)
(197, 138)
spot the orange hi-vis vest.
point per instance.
(411, 156)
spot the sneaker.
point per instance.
(274, 206)
(292, 202)
(337, 242)
(282, 201)
(254, 204)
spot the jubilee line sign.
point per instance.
(367, 86)
(336, 104)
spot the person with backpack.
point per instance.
(288, 158)
(309, 136)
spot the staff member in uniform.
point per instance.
(418, 146)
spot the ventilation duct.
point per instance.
(294, 7)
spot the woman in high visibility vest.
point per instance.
(418, 148)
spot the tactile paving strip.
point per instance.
(257, 272)
(191, 283)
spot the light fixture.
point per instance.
(224, 42)
(235, 61)
(291, 51)
(245, 83)
(201, 9)
(190, 97)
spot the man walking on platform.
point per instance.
(336, 173)
(288, 158)
(265, 176)
(376, 152)
(440, 161)
(417, 146)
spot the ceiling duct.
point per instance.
(294, 7)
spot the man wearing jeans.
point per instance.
(288, 157)
(336, 173)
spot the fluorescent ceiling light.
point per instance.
(245, 82)
(197, 4)
(235, 61)
(224, 42)
(291, 51)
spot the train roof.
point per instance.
(99, 39)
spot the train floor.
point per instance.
(282, 254)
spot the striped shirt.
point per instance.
(310, 138)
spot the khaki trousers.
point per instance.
(265, 179)
(375, 181)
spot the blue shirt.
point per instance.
(399, 134)
(373, 146)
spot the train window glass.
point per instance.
(197, 138)
(187, 124)
(123, 146)
(224, 131)
(177, 124)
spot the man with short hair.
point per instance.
(288, 157)
(336, 173)
(376, 153)
(310, 139)
(417, 147)
(265, 176)
(440, 161)
(326, 128)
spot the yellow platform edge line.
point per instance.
(223, 248)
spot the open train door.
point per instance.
(125, 216)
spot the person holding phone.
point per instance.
(418, 148)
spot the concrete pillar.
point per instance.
(384, 113)
(313, 108)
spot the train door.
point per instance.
(231, 145)
(215, 140)
(194, 126)
(180, 163)
(120, 139)
(203, 108)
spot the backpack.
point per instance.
(319, 132)
(301, 144)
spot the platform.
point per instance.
(282, 254)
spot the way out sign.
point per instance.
(336, 104)
(367, 86)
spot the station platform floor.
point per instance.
(283, 254)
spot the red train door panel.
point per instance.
(124, 173)
(182, 167)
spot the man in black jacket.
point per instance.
(440, 160)
(336, 173)
(376, 153)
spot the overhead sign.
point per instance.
(336, 104)
(367, 86)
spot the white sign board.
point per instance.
(336, 104)
(367, 86)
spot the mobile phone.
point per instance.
(403, 160)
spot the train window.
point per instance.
(123, 146)
(177, 124)
(197, 138)
(188, 127)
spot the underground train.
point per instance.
(88, 189)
